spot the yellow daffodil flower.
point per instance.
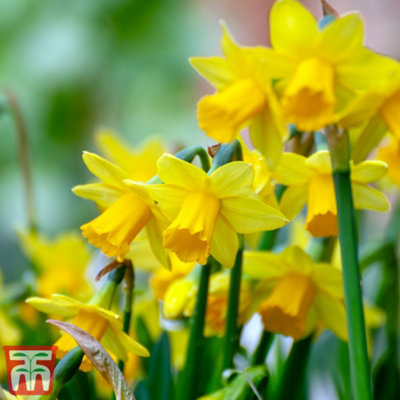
(374, 113)
(66, 256)
(102, 324)
(207, 210)
(180, 300)
(390, 154)
(318, 69)
(128, 210)
(244, 98)
(310, 181)
(138, 162)
(299, 295)
(163, 277)
(262, 185)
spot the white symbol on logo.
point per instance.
(30, 369)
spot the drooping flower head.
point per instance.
(300, 296)
(102, 324)
(310, 181)
(207, 211)
(318, 68)
(127, 210)
(244, 98)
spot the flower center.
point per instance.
(309, 99)
(390, 112)
(223, 114)
(190, 234)
(321, 213)
(285, 310)
(114, 229)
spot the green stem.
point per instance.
(190, 153)
(187, 388)
(263, 347)
(130, 285)
(23, 152)
(292, 380)
(231, 340)
(359, 363)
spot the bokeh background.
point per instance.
(75, 66)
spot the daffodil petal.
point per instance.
(215, 69)
(320, 162)
(128, 343)
(263, 265)
(332, 313)
(364, 70)
(173, 171)
(369, 138)
(267, 132)
(366, 197)
(114, 346)
(329, 279)
(105, 170)
(293, 28)
(48, 306)
(279, 66)
(368, 171)
(297, 258)
(224, 244)
(248, 215)
(102, 194)
(342, 38)
(232, 179)
(154, 235)
(168, 197)
(292, 170)
(293, 200)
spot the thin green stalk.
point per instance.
(187, 387)
(130, 285)
(262, 349)
(359, 363)
(231, 340)
(292, 380)
(23, 153)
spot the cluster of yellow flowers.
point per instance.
(315, 75)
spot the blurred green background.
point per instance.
(75, 66)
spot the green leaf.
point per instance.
(40, 355)
(22, 370)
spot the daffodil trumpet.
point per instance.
(359, 363)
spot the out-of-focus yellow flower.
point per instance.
(300, 295)
(180, 300)
(65, 256)
(102, 324)
(128, 210)
(139, 162)
(374, 113)
(162, 277)
(310, 181)
(208, 210)
(318, 69)
(262, 185)
(390, 154)
(244, 98)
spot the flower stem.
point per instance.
(130, 285)
(23, 152)
(187, 388)
(231, 340)
(359, 364)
